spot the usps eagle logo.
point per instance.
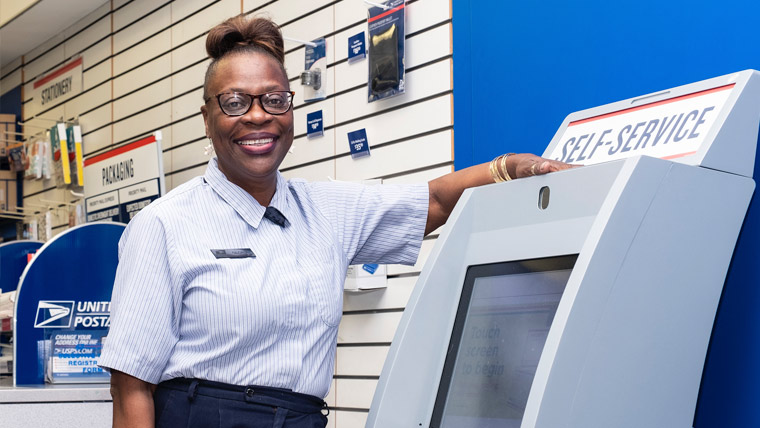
(54, 314)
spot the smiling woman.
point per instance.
(228, 294)
(251, 144)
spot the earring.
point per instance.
(209, 149)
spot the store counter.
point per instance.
(62, 406)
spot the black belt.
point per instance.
(266, 395)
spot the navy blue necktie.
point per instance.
(275, 216)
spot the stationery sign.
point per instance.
(667, 129)
(59, 85)
(123, 181)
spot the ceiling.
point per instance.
(37, 21)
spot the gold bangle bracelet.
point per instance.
(500, 171)
(504, 166)
(494, 173)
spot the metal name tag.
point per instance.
(234, 253)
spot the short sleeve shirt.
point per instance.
(269, 317)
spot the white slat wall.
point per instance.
(144, 62)
(10, 76)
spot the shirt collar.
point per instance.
(241, 201)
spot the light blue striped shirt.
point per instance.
(272, 320)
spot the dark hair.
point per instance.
(241, 34)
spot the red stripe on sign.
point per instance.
(654, 104)
(58, 72)
(679, 156)
(123, 149)
(386, 13)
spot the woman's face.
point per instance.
(250, 147)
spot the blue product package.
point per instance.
(314, 124)
(386, 50)
(357, 141)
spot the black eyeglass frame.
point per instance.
(253, 99)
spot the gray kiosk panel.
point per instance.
(626, 325)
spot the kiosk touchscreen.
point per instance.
(584, 298)
(500, 329)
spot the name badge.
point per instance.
(234, 253)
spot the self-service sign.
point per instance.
(121, 182)
(666, 129)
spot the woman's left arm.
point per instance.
(446, 190)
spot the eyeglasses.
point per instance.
(239, 103)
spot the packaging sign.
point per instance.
(356, 48)
(357, 141)
(314, 124)
(59, 85)
(123, 181)
(666, 129)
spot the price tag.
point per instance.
(314, 126)
(356, 48)
(358, 143)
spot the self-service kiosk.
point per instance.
(584, 298)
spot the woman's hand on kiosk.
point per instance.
(446, 190)
(527, 165)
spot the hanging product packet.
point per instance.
(313, 78)
(67, 153)
(57, 172)
(386, 50)
(45, 150)
(31, 154)
(18, 159)
(74, 141)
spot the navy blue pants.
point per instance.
(190, 403)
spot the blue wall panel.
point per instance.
(10, 103)
(521, 67)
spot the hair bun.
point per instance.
(239, 32)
